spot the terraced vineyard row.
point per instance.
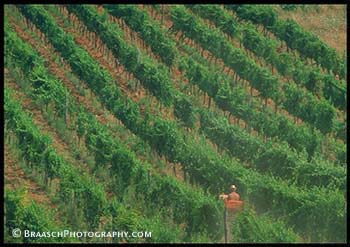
(306, 43)
(233, 101)
(309, 77)
(316, 112)
(252, 149)
(124, 165)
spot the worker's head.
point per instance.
(233, 187)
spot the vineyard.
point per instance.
(136, 117)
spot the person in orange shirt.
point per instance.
(233, 195)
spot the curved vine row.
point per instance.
(157, 190)
(265, 121)
(336, 176)
(147, 70)
(142, 24)
(269, 157)
(154, 76)
(306, 43)
(37, 150)
(298, 137)
(21, 215)
(317, 112)
(309, 77)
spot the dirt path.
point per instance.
(16, 178)
(39, 120)
(104, 56)
(166, 112)
(175, 73)
(322, 20)
(219, 62)
(103, 115)
(47, 51)
(206, 54)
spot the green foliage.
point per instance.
(184, 110)
(28, 216)
(151, 32)
(36, 146)
(318, 113)
(259, 77)
(306, 43)
(126, 167)
(315, 83)
(236, 101)
(289, 7)
(269, 157)
(248, 227)
(152, 75)
(205, 166)
(222, 19)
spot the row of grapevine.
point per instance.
(35, 218)
(206, 167)
(166, 188)
(247, 229)
(297, 137)
(274, 158)
(151, 34)
(317, 112)
(265, 121)
(306, 43)
(335, 177)
(339, 127)
(309, 77)
(159, 191)
(74, 187)
(145, 69)
(36, 149)
(22, 215)
(153, 76)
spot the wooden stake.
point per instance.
(225, 224)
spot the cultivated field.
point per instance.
(135, 118)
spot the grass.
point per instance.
(326, 21)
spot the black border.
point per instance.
(172, 2)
